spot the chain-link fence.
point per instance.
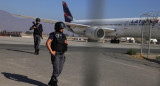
(150, 49)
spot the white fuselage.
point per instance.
(124, 27)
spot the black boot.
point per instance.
(37, 51)
(52, 83)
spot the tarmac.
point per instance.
(29, 41)
(87, 64)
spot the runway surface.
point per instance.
(84, 66)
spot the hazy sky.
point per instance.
(52, 9)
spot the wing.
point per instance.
(72, 25)
(54, 21)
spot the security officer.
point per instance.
(57, 45)
(37, 34)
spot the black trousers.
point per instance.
(37, 40)
(57, 62)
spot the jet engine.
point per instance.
(95, 33)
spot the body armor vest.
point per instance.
(58, 43)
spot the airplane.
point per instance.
(96, 29)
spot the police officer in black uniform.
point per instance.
(37, 34)
(57, 45)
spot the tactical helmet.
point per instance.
(59, 25)
(37, 19)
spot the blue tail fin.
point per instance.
(67, 14)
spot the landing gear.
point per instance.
(158, 41)
(115, 40)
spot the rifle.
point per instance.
(34, 24)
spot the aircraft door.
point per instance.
(126, 25)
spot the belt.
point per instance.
(59, 53)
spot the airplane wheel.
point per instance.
(115, 41)
(118, 41)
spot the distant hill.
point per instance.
(12, 23)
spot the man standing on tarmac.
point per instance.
(57, 45)
(37, 34)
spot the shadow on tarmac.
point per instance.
(20, 51)
(22, 78)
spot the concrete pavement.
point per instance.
(83, 67)
(87, 64)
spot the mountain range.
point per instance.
(12, 23)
